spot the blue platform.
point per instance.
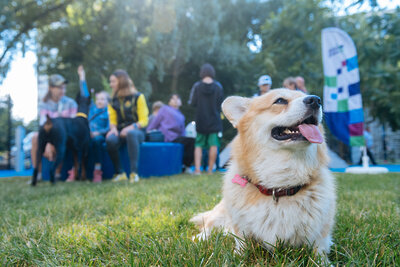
(155, 159)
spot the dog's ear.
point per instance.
(234, 107)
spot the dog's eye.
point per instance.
(281, 101)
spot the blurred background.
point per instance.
(163, 43)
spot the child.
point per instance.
(99, 125)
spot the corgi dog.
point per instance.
(278, 186)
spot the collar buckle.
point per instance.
(274, 197)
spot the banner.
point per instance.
(342, 98)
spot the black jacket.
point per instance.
(126, 108)
(207, 98)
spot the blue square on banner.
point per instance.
(339, 71)
(356, 116)
(334, 96)
(338, 124)
(340, 90)
(354, 89)
(352, 63)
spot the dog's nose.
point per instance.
(312, 101)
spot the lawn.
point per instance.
(147, 224)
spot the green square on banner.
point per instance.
(330, 81)
(342, 105)
(357, 140)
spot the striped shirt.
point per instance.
(66, 107)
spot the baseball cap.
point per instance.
(56, 80)
(265, 79)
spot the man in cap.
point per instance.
(264, 84)
(54, 104)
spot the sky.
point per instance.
(21, 80)
(21, 84)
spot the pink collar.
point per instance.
(275, 193)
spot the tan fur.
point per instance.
(304, 218)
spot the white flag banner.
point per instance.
(342, 98)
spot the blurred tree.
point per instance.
(292, 43)
(18, 18)
(377, 38)
(161, 44)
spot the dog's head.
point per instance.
(282, 125)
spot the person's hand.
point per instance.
(94, 134)
(49, 152)
(81, 73)
(125, 130)
(112, 131)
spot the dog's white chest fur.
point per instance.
(292, 219)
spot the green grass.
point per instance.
(148, 224)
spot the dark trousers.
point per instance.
(133, 140)
(188, 149)
(97, 147)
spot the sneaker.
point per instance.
(188, 170)
(71, 175)
(97, 176)
(120, 177)
(134, 178)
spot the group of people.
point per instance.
(123, 119)
(293, 83)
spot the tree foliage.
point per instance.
(377, 38)
(292, 42)
(18, 18)
(162, 44)
(292, 46)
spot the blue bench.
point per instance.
(155, 159)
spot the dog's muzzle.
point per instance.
(312, 102)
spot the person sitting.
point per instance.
(55, 104)
(128, 115)
(155, 108)
(99, 126)
(171, 122)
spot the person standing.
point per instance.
(300, 84)
(128, 115)
(369, 142)
(207, 96)
(264, 85)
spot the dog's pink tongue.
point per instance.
(311, 133)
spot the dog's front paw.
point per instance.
(201, 236)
